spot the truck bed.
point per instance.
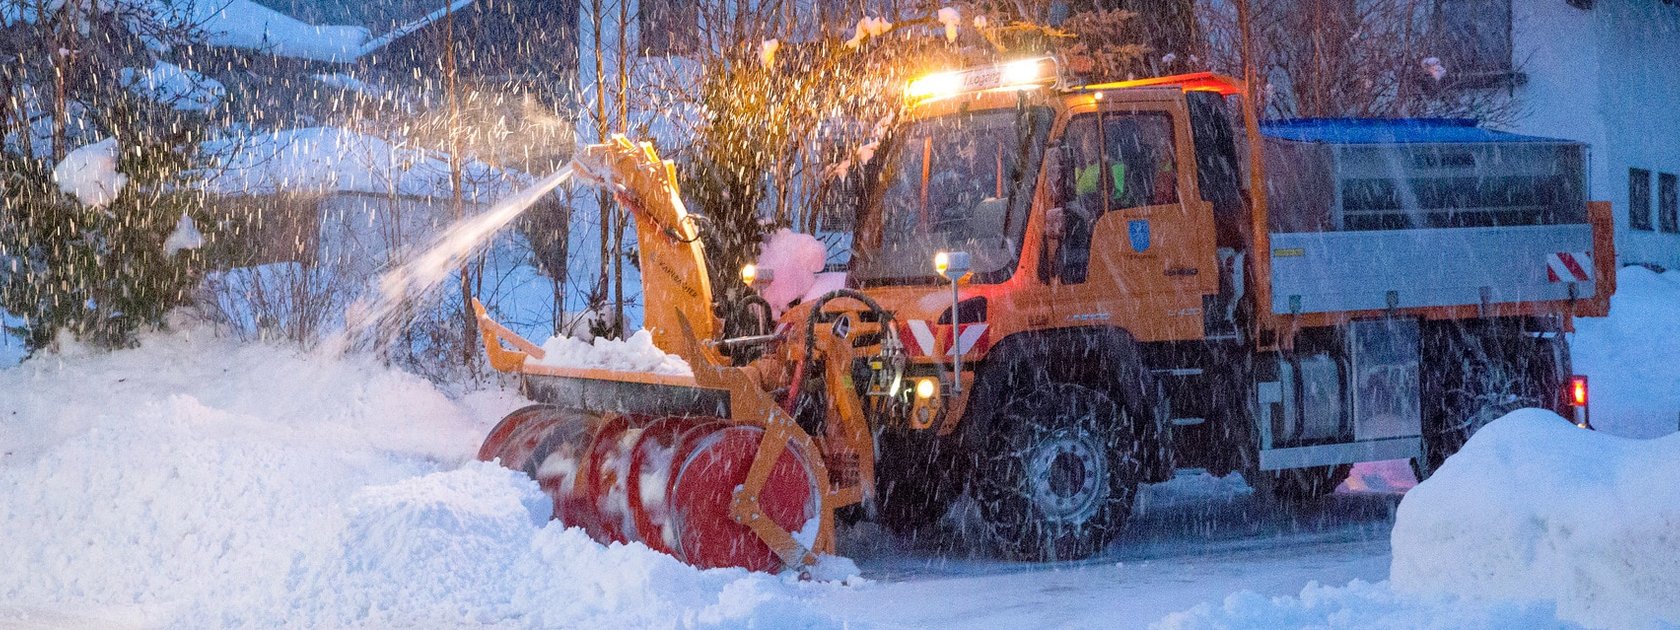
(1401, 215)
(1321, 272)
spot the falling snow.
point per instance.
(251, 253)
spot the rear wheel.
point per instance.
(1477, 376)
(1056, 481)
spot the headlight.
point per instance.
(926, 388)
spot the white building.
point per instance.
(1607, 72)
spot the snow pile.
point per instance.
(175, 86)
(793, 259)
(331, 159)
(185, 236)
(90, 173)
(1633, 356)
(247, 24)
(206, 484)
(951, 19)
(1533, 507)
(1359, 605)
(636, 354)
(1535, 523)
(868, 27)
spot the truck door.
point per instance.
(1136, 250)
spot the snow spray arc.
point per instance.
(426, 271)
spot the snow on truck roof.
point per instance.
(1392, 131)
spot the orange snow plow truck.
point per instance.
(1059, 292)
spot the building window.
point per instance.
(1475, 36)
(1639, 199)
(668, 27)
(1668, 203)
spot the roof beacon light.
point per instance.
(751, 275)
(952, 265)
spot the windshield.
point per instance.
(959, 182)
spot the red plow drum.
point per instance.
(669, 482)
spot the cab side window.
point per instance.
(1085, 202)
(1143, 170)
(1117, 161)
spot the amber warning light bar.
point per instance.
(1010, 75)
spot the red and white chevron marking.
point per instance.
(1569, 267)
(917, 338)
(922, 339)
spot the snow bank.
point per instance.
(1358, 605)
(197, 483)
(636, 354)
(331, 159)
(247, 24)
(1533, 507)
(11, 348)
(174, 86)
(1633, 356)
(90, 173)
(793, 259)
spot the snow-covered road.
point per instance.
(1193, 540)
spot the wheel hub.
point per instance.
(1067, 474)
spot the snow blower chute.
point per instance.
(711, 468)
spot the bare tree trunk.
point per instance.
(623, 57)
(604, 200)
(61, 71)
(469, 321)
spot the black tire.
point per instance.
(1057, 478)
(915, 483)
(1476, 376)
(1297, 486)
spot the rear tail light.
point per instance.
(1577, 391)
(1576, 398)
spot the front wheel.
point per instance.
(1057, 478)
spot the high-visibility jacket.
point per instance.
(1087, 179)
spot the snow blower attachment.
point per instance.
(711, 467)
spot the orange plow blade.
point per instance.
(674, 483)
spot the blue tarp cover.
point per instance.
(1390, 131)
